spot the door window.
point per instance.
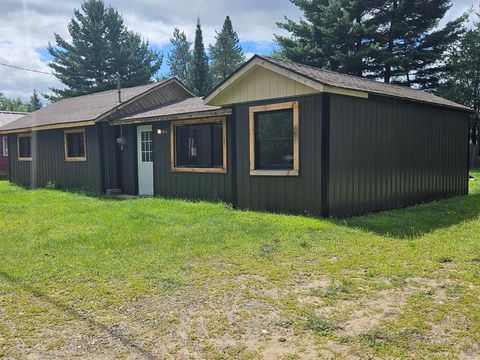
(146, 146)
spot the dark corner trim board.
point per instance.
(325, 141)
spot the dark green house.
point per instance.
(274, 136)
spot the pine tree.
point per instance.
(335, 34)
(392, 40)
(462, 83)
(180, 56)
(101, 47)
(199, 71)
(35, 102)
(411, 46)
(226, 55)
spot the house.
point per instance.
(274, 136)
(6, 117)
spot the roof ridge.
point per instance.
(114, 90)
(346, 75)
(173, 102)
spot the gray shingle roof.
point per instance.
(187, 106)
(6, 117)
(351, 82)
(77, 109)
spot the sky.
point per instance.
(27, 26)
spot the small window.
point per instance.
(5, 146)
(24, 147)
(75, 145)
(274, 147)
(146, 146)
(199, 146)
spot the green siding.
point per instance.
(128, 161)
(292, 194)
(386, 153)
(197, 186)
(48, 163)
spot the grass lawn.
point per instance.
(153, 278)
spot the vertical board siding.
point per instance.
(288, 194)
(48, 163)
(111, 161)
(128, 160)
(195, 186)
(386, 153)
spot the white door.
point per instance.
(145, 160)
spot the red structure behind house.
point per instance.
(5, 118)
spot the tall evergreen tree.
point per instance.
(226, 55)
(101, 48)
(180, 56)
(335, 34)
(392, 40)
(199, 71)
(35, 102)
(410, 42)
(462, 83)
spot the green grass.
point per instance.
(155, 278)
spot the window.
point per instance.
(75, 145)
(24, 147)
(274, 146)
(146, 146)
(199, 146)
(5, 146)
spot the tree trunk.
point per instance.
(388, 67)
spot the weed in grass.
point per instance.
(305, 244)
(454, 290)
(445, 259)
(267, 250)
(285, 323)
(333, 291)
(320, 324)
(170, 284)
(374, 337)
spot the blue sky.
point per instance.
(23, 41)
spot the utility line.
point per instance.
(49, 73)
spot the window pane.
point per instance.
(199, 145)
(146, 146)
(274, 140)
(25, 147)
(5, 146)
(75, 145)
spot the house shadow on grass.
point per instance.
(416, 221)
(114, 333)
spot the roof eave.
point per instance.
(182, 116)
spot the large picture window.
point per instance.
(274, 146)
(199, 146)
(75, 145)
(5, 146)
(24, 147)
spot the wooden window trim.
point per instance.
(74, 131)
(296, 146)
(18, 147)
(219, 170)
